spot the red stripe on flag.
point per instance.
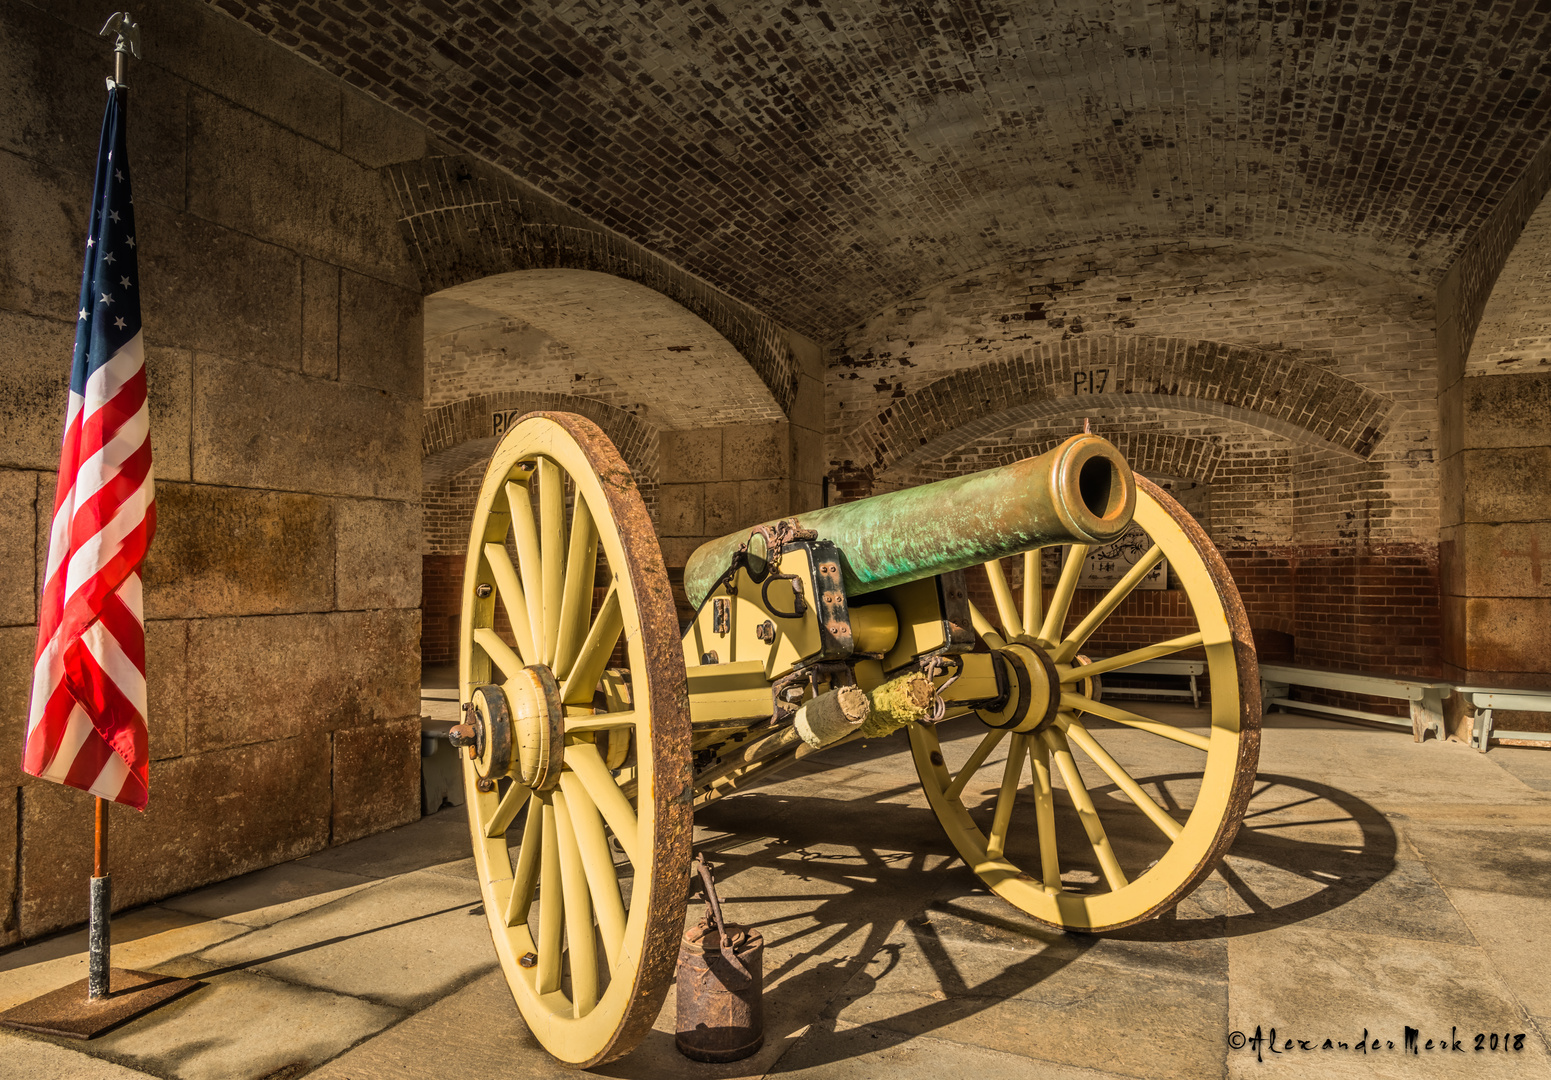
(69, 460)
(117, 720)
(51, 603)
(99, 428)
(43, 743)
(95, 513)
(83, 607)
(126, 629)
(88, 761)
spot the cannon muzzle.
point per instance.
(1082, 492)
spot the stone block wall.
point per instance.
(282, 323)
(717, 480)
(1495, 412)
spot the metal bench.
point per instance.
(1425, 696)
(1485, 699)
(1185, 668)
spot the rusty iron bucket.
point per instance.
(720, 983)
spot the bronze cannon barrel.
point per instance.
(1081, 492)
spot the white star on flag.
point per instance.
(106, 299)
(124, 281)
(119, 322)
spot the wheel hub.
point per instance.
(538, 722)
(1033, 691)
(491, 730)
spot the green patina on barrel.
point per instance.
(1082, 492)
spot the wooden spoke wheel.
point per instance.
(577, 776)
(1089, 844)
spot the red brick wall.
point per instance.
(441, 584)
(1374, 611)
(1368, 611)
(441, 580)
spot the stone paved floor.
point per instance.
(1377, 884)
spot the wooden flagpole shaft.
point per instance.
(99, 936)
(100, 854)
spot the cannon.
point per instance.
(594, 725)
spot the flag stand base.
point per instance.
(69, 1012)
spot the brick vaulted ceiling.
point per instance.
(821, 159)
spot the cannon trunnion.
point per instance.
(854, 621)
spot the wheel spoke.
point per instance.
(1061, 599)
(1033, 591)
(1012, 773)
(551, 905)
(1135, 656)
(1123, 780)
(976, 759)
(526, 875)
(581, 567)
(618, 748)
(581, 940)
(552, 542)
(525, 535)
(1006, 610)
(600, 722)
(1045, 816)
(606, 796)
(1087, 813)
(595, 652)
(499, 651)
(599, 863)
(506, 812)
(1076, 703)
(984, 628)
(1106, 606)
(512, 597)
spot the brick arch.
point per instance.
(456, 436)
(463, 220)
(1271, 391)
(1160, 453)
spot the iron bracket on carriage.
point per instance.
(596, 726)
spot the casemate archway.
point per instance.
(591, 335)
(630, 358)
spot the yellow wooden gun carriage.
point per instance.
(594, 726)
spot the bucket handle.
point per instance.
(729, 946)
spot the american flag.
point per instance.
(86, 727)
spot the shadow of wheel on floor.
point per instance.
(1305, 849)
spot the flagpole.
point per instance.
(107, 997)
(99, 926)
(99, 934)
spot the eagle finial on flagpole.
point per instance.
(128, 41)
